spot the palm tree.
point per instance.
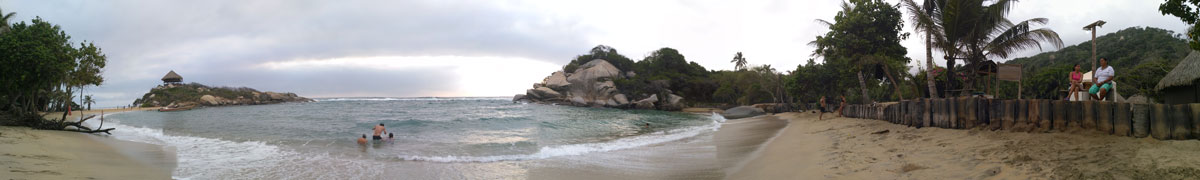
(739, 62)
(89, 101)
(4, 18)
(924, 22)
(973, 31)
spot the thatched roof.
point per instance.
(171, 76)
(1184, 74)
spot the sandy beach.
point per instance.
(42, 154)
(847, 148)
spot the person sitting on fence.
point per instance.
(1102, 80)
(1076, 82)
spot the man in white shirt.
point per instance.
(1102, 80)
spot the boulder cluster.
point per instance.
(198, 95)
(591, 85)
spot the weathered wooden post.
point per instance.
(1021, 118)
(971, 114)
(1182, 129)
(1074, 115)
(953, 107)
(1060, 115)
(1044, 109)
(1009, 114)
(927, 110)
(1194, 110)
(996, 121)
(1140, 120)
(1122, 119)
(1089, 115)
(1160, 122)
(981, 112)
(1104, 119)
(1035, 115)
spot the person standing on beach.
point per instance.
(840, 106)
(824, 108)
(379, 130)
(362, 140)
(1101, 80)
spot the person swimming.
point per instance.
(362, 140)
(390, 137)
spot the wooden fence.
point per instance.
(1160, 121)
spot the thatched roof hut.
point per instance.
(1179, 86)
(171, 77)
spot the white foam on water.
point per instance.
(205, 157)
(416, 99)
(579, 149)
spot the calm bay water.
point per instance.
(436, 138)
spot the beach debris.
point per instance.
(885, 131)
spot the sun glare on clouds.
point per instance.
(479, 76)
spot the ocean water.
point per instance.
(438, 138)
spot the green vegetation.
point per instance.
(1189, 12)
(1140, 55)
(164, 95)
(973, 30)
(40, 68)
(864, 42)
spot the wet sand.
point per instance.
(847, 148)
(42, 154)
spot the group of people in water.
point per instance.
(379, 131)
(1101, 85)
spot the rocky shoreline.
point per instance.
(195, 94)
(592, 85)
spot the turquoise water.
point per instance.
(436, 138)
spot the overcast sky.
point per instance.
(411, 48)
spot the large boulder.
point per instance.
(210, 100)
(647, 103)
(547, 93)
(621, 99)
(518, 97)
(742, 112)
(593, 82)
(556, 81)
(673, 103)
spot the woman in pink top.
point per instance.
(1076, 79)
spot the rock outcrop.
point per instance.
(742, 112)
(179, 95)
(592, 85)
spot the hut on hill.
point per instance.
(1179, 86)
(172, 78)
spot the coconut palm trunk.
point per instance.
(929, 80)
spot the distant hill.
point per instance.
(1125, 49)
(1140, 55)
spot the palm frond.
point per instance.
(1020, 37)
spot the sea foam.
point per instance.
(579, 149)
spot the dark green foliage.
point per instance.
(192, 92)
(863, 45)
(1189, 12)
(672, 71)
(38, 69)
(1140, 56)
(601, 52)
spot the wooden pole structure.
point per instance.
(1092, 27)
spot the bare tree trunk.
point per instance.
(862, 84)
(893, 79)
(929, 80)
